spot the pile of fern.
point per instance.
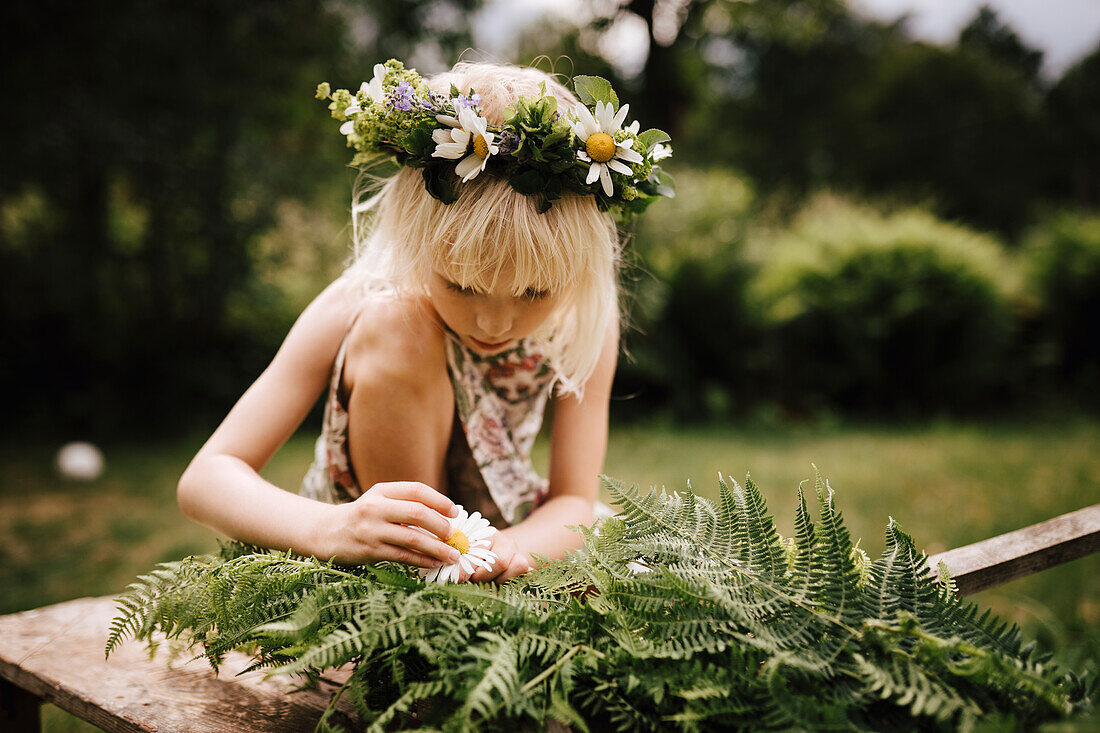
(678, 614)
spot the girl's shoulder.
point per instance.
(394, 334)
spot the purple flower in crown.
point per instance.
(508, 142)
(463, 101)
(403, 97)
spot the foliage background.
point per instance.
(175, 196)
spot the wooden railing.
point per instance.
(1023, 552)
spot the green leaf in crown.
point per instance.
(541, 152)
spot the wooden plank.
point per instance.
(1022, 552)
(56, 654)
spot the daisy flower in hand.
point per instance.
(466, 134)
(470, 535)
(600, 148)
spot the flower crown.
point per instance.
(541, 152)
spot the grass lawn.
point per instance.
(947, 485)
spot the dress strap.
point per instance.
(337, 381)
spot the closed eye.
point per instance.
(459, 289)
(535, 294)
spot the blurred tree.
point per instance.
(678, 35)
(148, 149)
(1074, 104)
(987, 34)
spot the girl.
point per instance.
(463, 310)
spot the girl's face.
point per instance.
(490, 322)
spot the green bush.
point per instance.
(1063, 267)
(874, 313)
(688, 280)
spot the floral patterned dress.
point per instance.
(499, 404)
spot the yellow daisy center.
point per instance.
(600, 147)
(481, 148)
(459, 542)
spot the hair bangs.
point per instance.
(493, 239)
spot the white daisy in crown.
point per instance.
(466, 134)
(372, 91)
(600, 149)
(471, 536)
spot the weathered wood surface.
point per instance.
(56, 654)
(1025, 551)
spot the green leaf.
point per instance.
(666, 185)
(651, 137)
(592, 89)
(528, 182)
(437, 181)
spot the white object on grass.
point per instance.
(80, 461)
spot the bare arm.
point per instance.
(222, 488)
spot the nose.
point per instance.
(494, 321)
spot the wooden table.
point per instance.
(55, 654)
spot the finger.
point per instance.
(416, 491)
(513, 571)
(407, 556)
(415, 514)
(484, 575)
(419, 541)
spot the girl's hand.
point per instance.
(510, 561)
(383, 523)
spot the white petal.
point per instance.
(634, 127)
(619, 167)
(476, 516)
(480, 562)
(441, 137)
(494, 150)
(630, 156)
(587, 121)
(450, 150)
(469, 167)
(347, 128)
(447, 120)
(593, 172)
(483, 553)
(583, 156)
(354, 107)
(628, 143)
(433, 574)
(605, 179)
(621, 117)
(605, 116)
(468, 118)
(467, 566)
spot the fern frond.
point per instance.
(678, 614)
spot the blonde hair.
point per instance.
(402, 234)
